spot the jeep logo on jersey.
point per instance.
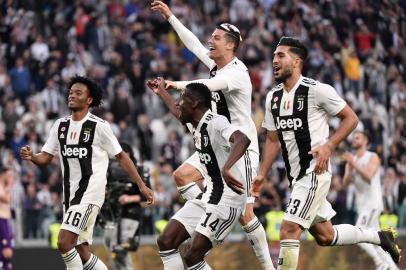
(205, 158)
(215, 96)
(74, 151)
(288, 124)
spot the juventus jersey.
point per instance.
(84, 149)
(211, 137)
(300, 118)
(364, 191)
(232, 82)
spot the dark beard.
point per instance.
(284, 76)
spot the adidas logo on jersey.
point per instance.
(288, 124)
(71, 151)
(205, 158)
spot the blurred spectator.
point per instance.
(20, 77)
(171, 149)
(51, 99)
(32, 207)
(352, 70)
(40, 50)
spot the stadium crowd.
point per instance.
(357, 46)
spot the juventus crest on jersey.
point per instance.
(211, 137)
(84, 148)
(300, 118)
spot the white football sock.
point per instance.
(200, 266)
(386, 258)
(370, 249)
(94, 263)
(257, 237)
(171, 259)
(345, 234)
(72, 260)
(288, 254)
(190, 191)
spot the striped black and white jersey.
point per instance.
(84, 148)
(230, 85)
(300, 118)
(211, 137)
(232, 98)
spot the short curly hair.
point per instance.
(95, 90)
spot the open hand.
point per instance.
(256, 185)
(322, 154)
(169, 85)
(162, 8)
(232, 182)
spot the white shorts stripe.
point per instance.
(310, 197)
(227, 223)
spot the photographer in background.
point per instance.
(121, 214)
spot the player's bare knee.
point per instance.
(65, 243)
(324, 239)
(290, 231)
(180, 177)
(165, 242)
(64, 246)
(249, 215)
(7, 253)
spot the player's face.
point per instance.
(358, 141)
(184, 105)
(218, 44)
(282, 64)
(78, 98)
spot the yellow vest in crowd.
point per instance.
(388, 220)
(53, 235)
(273, 221)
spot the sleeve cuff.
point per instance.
(171, 19)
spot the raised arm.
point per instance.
(214, 84)
(187, 37)
(158, 87)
